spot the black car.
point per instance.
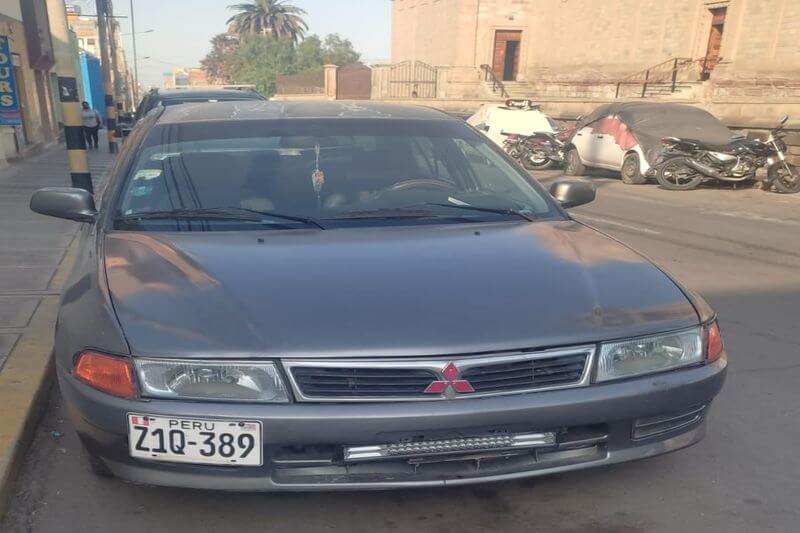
(168, 97)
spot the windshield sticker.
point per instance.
(164, 155)
(456, 201)
(147, 174)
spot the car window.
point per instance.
(325, 169)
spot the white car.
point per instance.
(518, 117)
(627, 137)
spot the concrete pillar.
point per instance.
(105, 66)
(68, 95)
(330, 80)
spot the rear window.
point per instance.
(326, 169)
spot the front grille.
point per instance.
(437, 379)
(545, 372)
(326, 382)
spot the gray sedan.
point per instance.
(298, 296)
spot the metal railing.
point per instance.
(668, 72)
(489, 75)
(664, 72)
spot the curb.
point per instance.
(25, 382)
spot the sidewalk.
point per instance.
(33, 248)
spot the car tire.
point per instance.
(573, 166)
(631, 170)
(669, 178)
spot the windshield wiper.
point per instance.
(386, 212)
(499, 210)
(218, 213)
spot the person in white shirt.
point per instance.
(92, 121)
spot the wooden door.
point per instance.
(505, 63)
(714, 41)
(354, 82)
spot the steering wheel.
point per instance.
(419, 183)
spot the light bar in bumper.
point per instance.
(488, 443)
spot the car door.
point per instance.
(586, 144)
(607, 134)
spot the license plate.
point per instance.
(195, 440)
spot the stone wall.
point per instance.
(590, 40)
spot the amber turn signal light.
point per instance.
(107, 373)
(713, 342)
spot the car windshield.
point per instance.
(324, 173)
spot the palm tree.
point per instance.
(268, 17)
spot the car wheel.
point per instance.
(573, 166)
(631, 170)
(675, 175)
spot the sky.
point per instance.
(182, 29)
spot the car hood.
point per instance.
(399, 291)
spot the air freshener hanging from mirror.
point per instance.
(318, 176)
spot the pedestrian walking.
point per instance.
(92, 121)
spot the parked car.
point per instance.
(167, 97)
(306, 296)
(517, 117)
(627, 137)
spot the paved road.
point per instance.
(740, 248)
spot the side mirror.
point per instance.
(573, 192)
(64, 202)
(670, 140)
(783, 119)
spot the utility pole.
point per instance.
(112, 40)
(135, 64)
(111, 108)
(68, 96)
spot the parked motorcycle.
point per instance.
(686, 163)
(538, 151)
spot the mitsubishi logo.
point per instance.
(451, 375)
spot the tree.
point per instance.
(219, 62)
(269, 17)
(338, 51)
(260, 59)
(309, 54)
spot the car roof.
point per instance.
(180, 94)
(270, 110)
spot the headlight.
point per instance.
(646, 355)
(211, 380)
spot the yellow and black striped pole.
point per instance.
(105, 64)
(69, 96)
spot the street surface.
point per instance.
(739, 248)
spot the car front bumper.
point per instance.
(303, 443)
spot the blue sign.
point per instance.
(9, 103)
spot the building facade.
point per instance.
(590, 39)
(185, 77)
(25, 27)
(738, 57)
